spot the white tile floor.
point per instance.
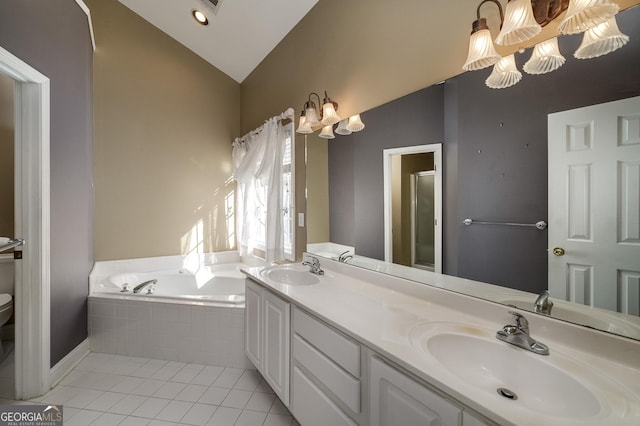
(117, 390)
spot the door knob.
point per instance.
(558, 251)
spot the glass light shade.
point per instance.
(519, 23)
(585, 14)
(482, 53)
(545, 58)
(312, 116)
(342, 128)
(304, 127)
(504, 74)
(327, 132)
(329, 115)
(603, 39)
(355, 123)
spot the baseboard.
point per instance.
(66, 364)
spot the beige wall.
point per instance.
(164, 123)
(318, 184)
(6, 156)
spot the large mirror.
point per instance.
(494, 147)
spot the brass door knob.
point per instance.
(558, 251)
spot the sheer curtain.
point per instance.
(257, 169)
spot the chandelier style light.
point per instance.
(309, 118)
(524, 19)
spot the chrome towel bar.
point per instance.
(539, 225)
(11, 244)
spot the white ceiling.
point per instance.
(238, 37)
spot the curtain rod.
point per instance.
(289, 113)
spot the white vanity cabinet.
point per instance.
(326, 388)
(267, 328)
(397, 399)
(335, 380)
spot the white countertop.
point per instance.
(379, 311)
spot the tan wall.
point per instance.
(6, 156)
(317, 189)
(164, 123)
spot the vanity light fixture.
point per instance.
(504, 74)
(200, 17)
(327, 132)
(545, 58)
(342, 127)
(524, 20)
(603, 39)
(310, 120)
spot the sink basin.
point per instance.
(290, 275)
(554, 385)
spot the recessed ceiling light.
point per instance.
(200, 17)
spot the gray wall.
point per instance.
(53, 37)
(507, 179)
(495, 158)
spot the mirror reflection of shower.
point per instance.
(423, 220)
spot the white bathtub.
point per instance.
(221, 283)
(192, 317)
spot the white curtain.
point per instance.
(257, 168)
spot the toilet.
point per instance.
(6, 310)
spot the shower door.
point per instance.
(423, 220)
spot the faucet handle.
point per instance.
(521, 321)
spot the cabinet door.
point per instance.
(275, 362)
(397, 399)
(253, 323)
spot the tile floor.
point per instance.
(117, 390)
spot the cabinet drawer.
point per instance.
(338, 381)
(342, 350)
(312, 407)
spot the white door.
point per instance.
(594, 205)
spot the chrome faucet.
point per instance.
(344, 257)
(518, 334)
(141, 286)
(543, 304)
(314, 265)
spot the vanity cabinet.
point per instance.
(267, 328)
(397, 399)
(334, 379)
(326, 374)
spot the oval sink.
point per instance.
(553, 385)
(290, 275)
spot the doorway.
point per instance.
(31, 217)
(413, 206)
